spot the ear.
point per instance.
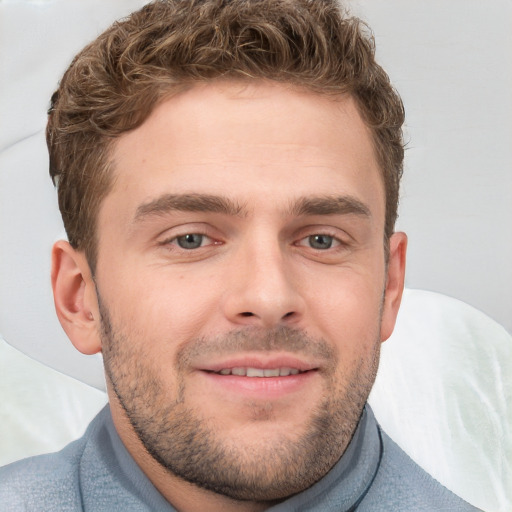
(394, 283)
(74, 294)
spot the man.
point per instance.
(228, 177)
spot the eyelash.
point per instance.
(175, 241)
(335, 242)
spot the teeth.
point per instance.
(259, 372)
(255, 372)
(284, 372)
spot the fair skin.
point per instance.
(239, 213)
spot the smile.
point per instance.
(259, 372)
(263, 380)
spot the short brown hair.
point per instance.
(116, 81)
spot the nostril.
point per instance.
(247, 313)
(288, 314)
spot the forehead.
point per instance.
(252, 141)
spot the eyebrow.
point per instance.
(329, 205)
(188, 203)
(317, 205)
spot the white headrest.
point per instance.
(444, 394)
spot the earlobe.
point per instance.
(75, 299)
(394, 283)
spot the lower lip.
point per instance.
(261, 387)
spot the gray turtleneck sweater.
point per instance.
(96, 473)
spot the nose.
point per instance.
(262, 289)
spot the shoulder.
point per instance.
(45, 482)
(49, 482)
(404, 486)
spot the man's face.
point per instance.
(241, 279)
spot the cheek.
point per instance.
(347, 311)
(159, 305)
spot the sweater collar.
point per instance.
(340, 490)
(346, 484)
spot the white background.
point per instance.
(452, 63)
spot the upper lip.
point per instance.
(261, 362)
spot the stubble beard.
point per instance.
(189, 446)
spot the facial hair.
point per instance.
(190, 446)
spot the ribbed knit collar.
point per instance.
(340, 490)
(346, 484)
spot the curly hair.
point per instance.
(116, 81)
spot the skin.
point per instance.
(284, 187)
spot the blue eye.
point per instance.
(320, 241)
(190, 241)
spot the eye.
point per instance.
(191, 241)
(321, 242)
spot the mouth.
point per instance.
(260, 366)
(242, 371)
(258, 377)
